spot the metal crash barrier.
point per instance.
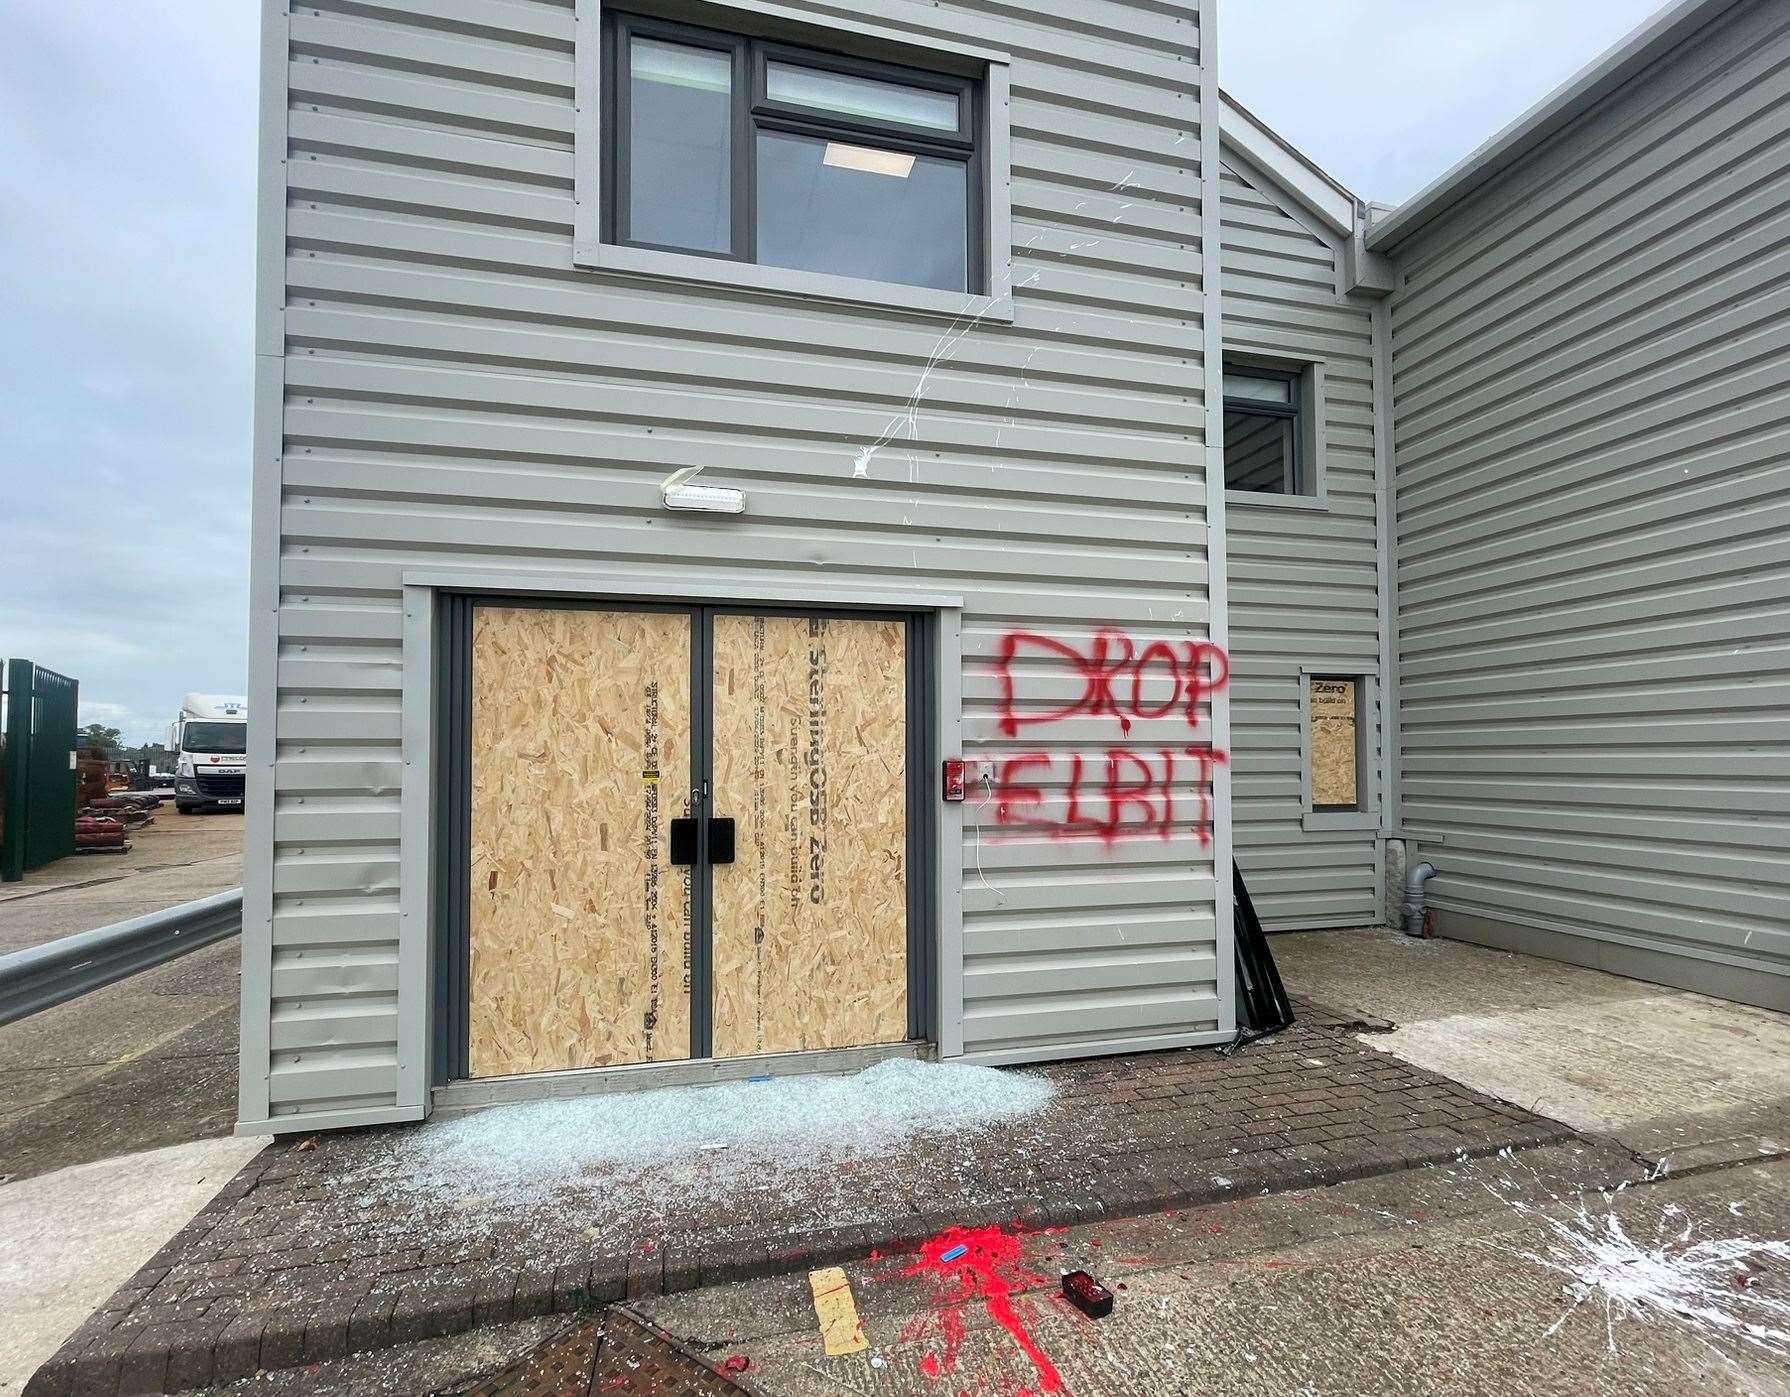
(42, 977)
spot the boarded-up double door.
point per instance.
(689, 835)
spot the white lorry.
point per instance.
(210, 744)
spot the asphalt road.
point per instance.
(149, 1061)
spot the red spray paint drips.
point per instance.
(991, 1269)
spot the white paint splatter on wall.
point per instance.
(908, 420)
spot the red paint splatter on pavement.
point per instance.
(737, 1364)
(992, 1269)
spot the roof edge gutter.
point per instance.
(1558, 110)
(1320, 193)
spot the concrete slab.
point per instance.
(1669, 1072)
(171, 841)
(68, 1239)
(1459, 1280)
(149, 1061)
(33, 919)
(426, 1369)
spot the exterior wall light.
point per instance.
(678, 493)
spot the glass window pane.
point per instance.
(1335, 744)
(869, 98)
(1258, 390)
(680, 149)
(1258, 453)
(860, 211)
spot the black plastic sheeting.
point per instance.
(1262, 1004)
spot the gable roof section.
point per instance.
(1558, 110)
(1316, 192)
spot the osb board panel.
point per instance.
(810, 922)
(1334, 780)
(580, 759)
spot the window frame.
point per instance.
(1307, 408)
(768, 33)
(619, 32)
(1366, 814)
(1293, 470)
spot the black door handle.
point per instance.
(720, 840)
(683, 841)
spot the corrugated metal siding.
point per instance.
(1304, 584)
(458, 395)
(1593, 410)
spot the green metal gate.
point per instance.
(37, 770)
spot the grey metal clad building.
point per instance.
(932, 290)
(1591, 348)
(1306, 593)
(785, 536)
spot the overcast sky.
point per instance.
(127, 166)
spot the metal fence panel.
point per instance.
(37, 770)
(50, 822)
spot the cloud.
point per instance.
(126, 289)
(127, 259)
(1387, 94)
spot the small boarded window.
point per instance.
(1335, 708)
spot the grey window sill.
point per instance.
(1299, 504)
(781, 281)
(1359, 820)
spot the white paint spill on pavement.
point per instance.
(1684, 1273)
(1705, 1282)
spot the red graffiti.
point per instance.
(988, 1265)
(1118, 679)
(1119, 792)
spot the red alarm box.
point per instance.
(956, 778)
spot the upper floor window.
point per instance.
(755, 151)
(1263, 436)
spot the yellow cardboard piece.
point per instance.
(840, 1328)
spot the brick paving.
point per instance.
(618, 1353)
(311, 1253)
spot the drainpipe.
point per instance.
(1414, 897)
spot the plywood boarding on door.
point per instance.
(810, 922)
(1335, 743)
(580, 759)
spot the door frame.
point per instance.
(435, 854)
